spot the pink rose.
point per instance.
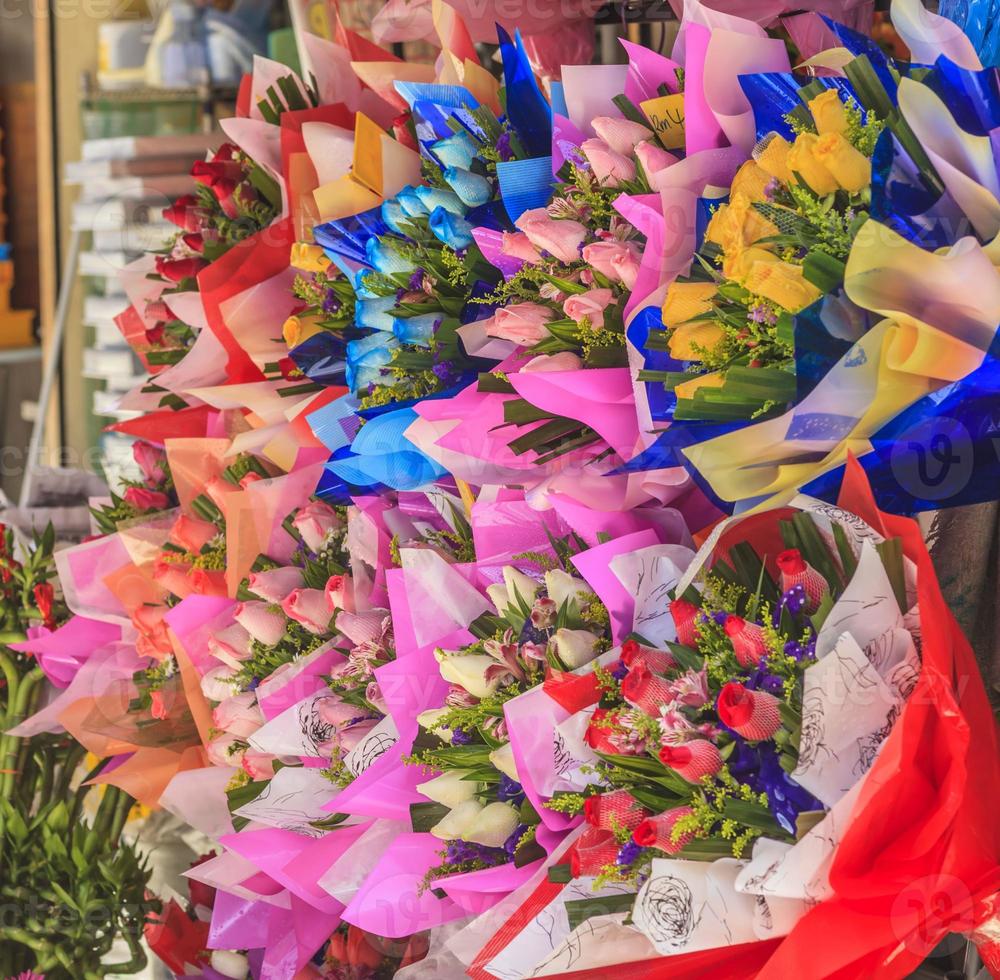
(265, 624)
(374, 696)
(353, 736)
(591, 304)
(309, 608)
(251, 477)
(258, 765)
(339, 591)
(314, 523)
(561, 238)
(173, 576)
(206, 581)
(152, 640)
(563, 361)
(522, 323)
(143, 499)
(619, 261)
(150, 460)
(610, 168)
(192, 534)
(276, 583)
(622, 135)
(217, 683)
(517, 245)
(231, 645)
(225, 750)
(339, 714)
(218, 489)
(238, 715)
(654, 158)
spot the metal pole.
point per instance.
(51, 368)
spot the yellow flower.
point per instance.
(738, 266)
(774, 159)
(687, 388)
(851, 169)
(803, 161)
(750, 181)
(783, 284)
(690, 339)
(686, 300)
(828, 113)
(738, 224)
(297, 329)
(309, 258)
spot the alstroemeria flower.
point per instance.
(505, 653)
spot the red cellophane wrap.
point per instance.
(922, 856)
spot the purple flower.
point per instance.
(503, 146)
(416, 280)
(443, 370)
(629, 852)
(508, 789)
(510, 845)
(330, 302)
(460, 737)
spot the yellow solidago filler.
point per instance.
(686, 300)
(738, 224)
(750, 181)
(828, 113)
(738, 266)
(850, 169)
(783, 284)
(803, 160)
(309, 258)
(297, 329)
(774, 159)
(687, 388)
(689, 339)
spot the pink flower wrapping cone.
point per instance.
(748, 639)
(753, 714)
(658, 831)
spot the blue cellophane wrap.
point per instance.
(661, 401)
(527, 108)
(348, 236)
(321, 358)
(525, 184)
(940, 452)
(860, 44)
(980, 20)
(775, 94)
(972, 97)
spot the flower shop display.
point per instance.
(424, 606)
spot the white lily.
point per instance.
(503, 759)
(450, 789)
(575, 647)
(563, 587)
(493, 825)
(458, 821)
(470, 671)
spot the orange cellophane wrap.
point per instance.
(193, 462)
(921, 858)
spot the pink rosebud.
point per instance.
(563, 361)
(517, 245)
(622, 135)
(217, 489)
(653, 158)
(609, 167)
(231, 645)
(522, 323)
(264, 623)
(192, 534)
(309, 608)
(158, 705)
(591, 305)
(225, 750)
(375, 697)
(275, 583)
(151, 460)
(619, 261)
(152, 638)
(143, 499)
(354, 735)
(238, 715)
(561, 238)
(339, 714)
(339, 592)
(315, 522)
(258, 765)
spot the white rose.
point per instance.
(503, 759)
(469, 671)
(519, 584)
(230, 964)
(459, 821)
(493, 825)
(575, 647)
(450, 789)
(428, 720)
(562, 587)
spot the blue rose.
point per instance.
(457, 150)
(450, 229)
(411, 203)
(385, 259)
(417, 330)
(438, 197)
(395, 217)
(374, 313)
(473, 189)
